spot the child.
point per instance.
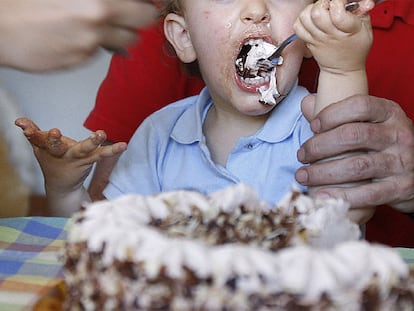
(233, 131)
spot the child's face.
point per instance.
(214, 31)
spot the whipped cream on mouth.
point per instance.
(252, 74)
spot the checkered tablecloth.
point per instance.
(408, 255)
(29, 259)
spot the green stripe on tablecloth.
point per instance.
(8, 235)
(407, 254)
(15, 301)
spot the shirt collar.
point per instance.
(384, 14)
(281, 123)
(284, 117)
(189, 126)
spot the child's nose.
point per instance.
(255, 12)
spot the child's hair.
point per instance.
(172, 6)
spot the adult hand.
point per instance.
(41, 35)
(377, 126)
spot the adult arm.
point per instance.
(376, 125)
(40, 35)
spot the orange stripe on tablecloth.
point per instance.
(49, 296)
(31, 287)
(53, 247)
(4, 244)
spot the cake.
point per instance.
(183, 250)
(249, 69)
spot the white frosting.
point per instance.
(348, 264)
(269, 93)
(326, 221)
(262, 50)
(230, 199)
(259, 50)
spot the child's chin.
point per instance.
(254, 107)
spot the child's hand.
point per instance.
(339, 40)
(66, 163)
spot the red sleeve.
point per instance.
(390, 63)
(390, 68)
(136, 85)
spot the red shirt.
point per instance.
(148, 79)
(390, 70)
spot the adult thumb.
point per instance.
(308, 107)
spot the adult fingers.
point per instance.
(357, 108)
(115, 38)
(347, 138)
(308, 106)
(133, 14)
(360, 166)
(389, 191)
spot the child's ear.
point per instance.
(175, 29)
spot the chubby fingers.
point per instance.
(26, 124)
(364, 6)
(92, 148)
(34, 135)
(51, 140)
(344, 20)
(325, 18)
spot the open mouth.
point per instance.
(248, 65)
(253, 75)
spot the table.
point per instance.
(30, 264)
(29, 259)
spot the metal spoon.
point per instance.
(352, 6)
(273, 59)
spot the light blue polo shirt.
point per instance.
(169, 152)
